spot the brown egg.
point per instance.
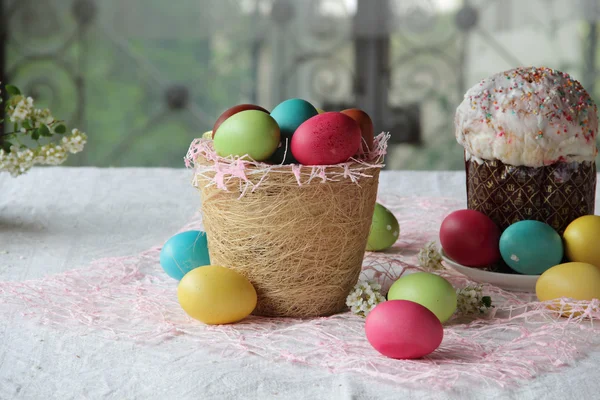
(366, 128)
(234, 110)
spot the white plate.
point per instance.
(512, 282)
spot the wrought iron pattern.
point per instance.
(144, 77)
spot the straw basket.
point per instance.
(297, 233)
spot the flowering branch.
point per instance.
(364, 297)
(25, 130)
(430, 258)
(470, 301)
(16, 157)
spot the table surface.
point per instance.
(57, 219)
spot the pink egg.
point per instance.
(326, 139)
(403, 329)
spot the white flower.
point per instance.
(470, 300)
(74, 143)
(430, 258)
(43, 116)
(22, 110)
(364, 297)
(16, 162)
(50, 154)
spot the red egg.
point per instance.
(403, 329)
(366, 128)
(326, 139)
(234, 110)
(470, 238)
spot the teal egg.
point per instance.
(183, 253)
(251, 132)
(531, 247)
(291, 113)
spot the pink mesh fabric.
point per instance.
(131, 298)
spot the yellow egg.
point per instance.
(581, 240)
(575, 280)
(320, 111)
(216, 295)
(207, 135)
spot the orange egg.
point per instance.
(366, 128)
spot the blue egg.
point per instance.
(531, 247)
(291, 113)
(183, 253)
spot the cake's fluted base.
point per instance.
(555, 194)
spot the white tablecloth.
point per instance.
(57, 219)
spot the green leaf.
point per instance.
(487, 301)
(13, 90)
(44, 131)
(27, 125)
(60, 129)
(15, 127)
(6, 145)
(36, 134)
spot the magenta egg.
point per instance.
(326, 139)
(403, 329)
(470, 238)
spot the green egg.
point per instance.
(251, 132)
(429, 290)
(385, 229)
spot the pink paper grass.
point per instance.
(132, 298)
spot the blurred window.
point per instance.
(145, 77)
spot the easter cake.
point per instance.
(529, 138)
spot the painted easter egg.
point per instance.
(216, 295)
(207, 135)
(403, 329)
(234, 110)
(184, 252)
(283, 153)
(320, 111)
(251, 132)
(470, 238)
(531, 247)
(384, 231)
(292, 113)
(575, 280)
(429, 290)
(366, 128)
(327, 139)
(581, 240)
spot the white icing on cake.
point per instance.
(528, 117)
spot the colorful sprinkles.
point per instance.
(541, 91)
